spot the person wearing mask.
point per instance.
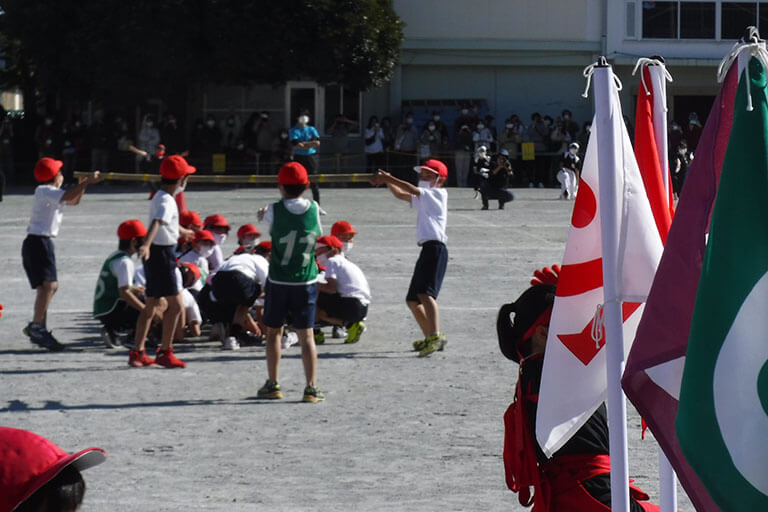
(432, 140)
(172, 136)
(568, 175)
(148, 139)
(538, 133)
(406, 144)
(679, 164)
(466, 117)
(462, 153)
(282, 150)
(481, 165)
(495, 186)
(374, 145)
(306, 142)
(569, 125)
(339, 131)
(693, 131)
(510, 138)
(482, 136)
(230, 131)
(260, 139)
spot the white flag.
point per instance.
(573, 382)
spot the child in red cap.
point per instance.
(37, 251)
(430, 201)
(344, 231)
(217, 224)
(291, 288)
(247, 238)
(36, 475)
(157, 251)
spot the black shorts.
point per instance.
(121, 317)
(308, 161)
(429, 271)
(235, 288)
(160, 270)
(348, 309)
(39, 259)
(283, 301)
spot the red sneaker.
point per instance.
(167, 359)
(138, 359)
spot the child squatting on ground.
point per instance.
(37, 250)
(38, 476)
(159, 257)
(430, 201)
(291, 289)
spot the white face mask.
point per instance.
(322, 259)
(425, 184)
(347, 246)
(509, 125)
(249, 242)
(219, 238)
(303, 119)
(205, 250)
(480, 126)
(436, 118)
(431, 127)
(573, 151)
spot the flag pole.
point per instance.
(667, 477)
(610, 141)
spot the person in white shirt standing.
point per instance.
(344, 297)
(37, 250)
(430, 200)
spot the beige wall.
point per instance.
(538, 20)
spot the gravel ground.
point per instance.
(396, 432)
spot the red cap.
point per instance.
(193, 269)
(247, 229)
(202, 235)
(329, 241)
(175, 167)
(266, 245)
(131, 229)
(436, 166)
(46, 169)
(190, 218)
(292, 173)
(342, 227)
(29, 461)
(216, 220)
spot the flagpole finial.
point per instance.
(656, 60)
(602, 62)
(751, 35)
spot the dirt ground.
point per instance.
(396, 432)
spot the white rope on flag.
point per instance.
(645, 61)
(589, 70)
(755, 47)
(598, 323)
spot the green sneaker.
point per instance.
(419, 344)
(319, 337)
(270, 390)
(313, 395)
(354, 332)
(432, 344)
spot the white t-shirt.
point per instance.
(432, 208)
(202, 264)
(46, 211)
(252, 265)
(191, 309)
(164, 209)
(350, 280)
(296, 206)
(216, 258)
(378, 136)
(123, 269)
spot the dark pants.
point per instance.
(501, 194)
(310, 163)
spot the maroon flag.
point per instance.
(655, 364)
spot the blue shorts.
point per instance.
(160, 270)
(283, 302)
(39, 259)
(429, 271)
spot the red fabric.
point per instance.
(181, 202)
(542, 320)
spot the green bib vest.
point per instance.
(107, 293)
(292, 259)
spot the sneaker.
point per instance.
(138, 359)
(249, 339)
(167, 359)
(230, 343)
(270, 390)
(42, 337)
(289, 339)
(355, 331)
(419, 344)
(319, 337)
(432, 344)
(338, 332)
(109, 337)
(485, 207)
(313, 395)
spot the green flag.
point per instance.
(722, 420)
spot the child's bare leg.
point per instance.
(244, 319)
(43, 299)
(170, 320)
(431, 313)
(144, 321)
(420, 315)
(178, 334)
(273, 352)
(322, 315)
(308, 354)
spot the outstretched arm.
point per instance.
(400, 189)
(72, 196)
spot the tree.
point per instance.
(118, 51)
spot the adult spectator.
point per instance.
(679, 164)
(440, 126)
(47, 139)
(148, 139)
(230, 131)
(259, 138)
(463, 149)
(282, 151)
(339, 131)
(538, 133)
(432, 140)
(389, 136)
(490, 124)
(482, 136)
(7, 167)
(692, 132)
(406, 144)
(495, 186)
(466, 117)
(68, 152)
(306, 142)
(569, 124)
(172, 136)
(374, 145)
(510, 138)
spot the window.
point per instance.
(342, 100)
(630, 19)
(660, 20)
(697, 20)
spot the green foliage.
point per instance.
(128, 50)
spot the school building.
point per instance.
(520, 56)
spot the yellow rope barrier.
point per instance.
(232, 179)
